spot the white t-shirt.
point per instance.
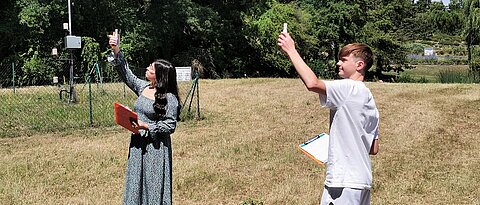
(353, 127)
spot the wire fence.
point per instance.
(56, 104)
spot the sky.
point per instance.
(445, 2)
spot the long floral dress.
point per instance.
(148, 177)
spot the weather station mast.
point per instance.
(71, 43)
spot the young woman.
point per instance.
(148, 177)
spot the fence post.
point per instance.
(198, 94)
(90, 97)
(13, 77)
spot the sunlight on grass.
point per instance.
(245, 151)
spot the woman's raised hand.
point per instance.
(113, 41)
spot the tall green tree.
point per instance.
(376, 23)
(230, 38)
(338, 23)
(472, 31)
(263, 31)
(8, 31)
(38, 32)
(381, 32)
(227, 51)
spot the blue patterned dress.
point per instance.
(148, 178)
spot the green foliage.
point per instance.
(448, 40)
(34, 15)
(264, 33)
(323, 69)
(472, 33)
(36, 70)
(472, 23)
(6, 77)
(439, 61)
(442, 21)
(451, 76)
(90, 53)
(475, 61)
(429, 18)
(234, 38)
(423, 80)
(406, 78)
(416, 48)
(338, 22)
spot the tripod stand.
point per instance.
(191, 95)
(94, 71)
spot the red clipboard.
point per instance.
(124, 117)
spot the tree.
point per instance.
(472, 32)
(337, 23)
(264, 30)
(381, 32)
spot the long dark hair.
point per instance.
(166, 82)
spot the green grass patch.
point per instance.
(39, 109)
(429, 73)
(453, 76)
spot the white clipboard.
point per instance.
(316, 148)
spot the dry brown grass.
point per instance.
(245, 148)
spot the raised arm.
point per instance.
(121, 65)
(308, 77)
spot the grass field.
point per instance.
(432, 72)
(38, 109)
(244, 150)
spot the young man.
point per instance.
(353, 122)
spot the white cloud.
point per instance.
(445, 2)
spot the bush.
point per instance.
(405, 79)
(422, 80)
(322, 69)
(36, 71)
(416, 48)
(451, 76)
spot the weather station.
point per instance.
(71, 43)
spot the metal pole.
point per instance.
(193, 93)
(198, 96)
(69, 19)
(13, 78)
(72, 92)
(186, 98)
(73, 97)
(90, 97)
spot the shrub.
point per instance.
(422, 80)
(36, 70)
(405, 78)
(451, 76)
